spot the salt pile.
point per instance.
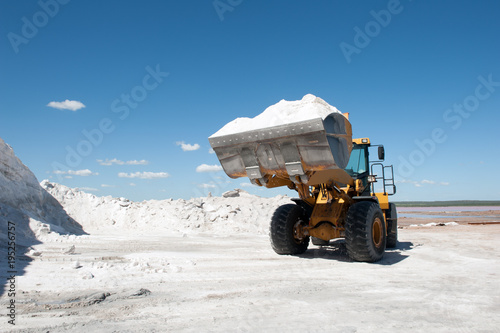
(239, 213)
(19, 187)
(48, 209)
(24, 203)
(281, 113)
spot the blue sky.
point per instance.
(420, 77)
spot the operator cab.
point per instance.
(360, 167)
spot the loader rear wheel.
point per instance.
(392, 226)
(365, 232)
(285, 228)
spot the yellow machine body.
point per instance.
(330, 193)
(321, 161)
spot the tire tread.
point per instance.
(358, 237)
(280, 230)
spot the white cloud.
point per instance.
(144, 175)
(67, 105)
(247, 185)
(132, 184)
(420, 183)
(211, 151)
(207, 186)
(405, 181)
(208, 168)
(106, 185)
(83, 173)
(187, 146)
(136, 162)
(108, 162)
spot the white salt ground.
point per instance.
(281, 113)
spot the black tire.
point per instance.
(319, 241)
(365, 232)
(282, 230)
(392, 226)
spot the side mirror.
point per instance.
(381, 153)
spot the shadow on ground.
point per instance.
(336, 250)
(17, 238)
(13, 249)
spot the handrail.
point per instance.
(386, 182)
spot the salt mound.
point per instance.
(38, 213)
(20, 188)
(225, 215)
(25, 204)
(281, 113)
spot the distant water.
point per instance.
(449, 209)
(430, 216)
(455, 210)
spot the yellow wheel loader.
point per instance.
(333, 176)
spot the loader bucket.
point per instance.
(291, 152)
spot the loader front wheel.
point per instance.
(365, 232)
(285, 230)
